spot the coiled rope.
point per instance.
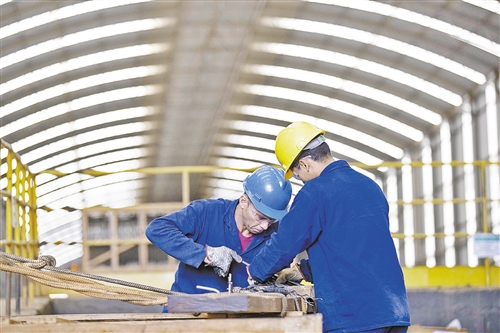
(44, 271)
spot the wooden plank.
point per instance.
(257, 302)
(48, 319)
(229, 303)
(307, 323)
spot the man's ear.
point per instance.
(304, 163)
(243, 200)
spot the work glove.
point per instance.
(292, 274)
(220, 258)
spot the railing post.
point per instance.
(484, 202)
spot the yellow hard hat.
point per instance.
(291, 141)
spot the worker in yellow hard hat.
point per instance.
(212, 238)
(340, 217)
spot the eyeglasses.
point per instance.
(295, 175)
(261, 218)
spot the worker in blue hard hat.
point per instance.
(218, 234)
(340, 218)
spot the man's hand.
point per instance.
(220, 258)
(292, 274)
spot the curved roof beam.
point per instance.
(67, 128)
(369, 38)
(80, 84)
(83, 157)
(428, 22)
(111, 30)
(325, 101)
(340, 148)
(359, 64)
(81, 62)
(80, 103)
(85, 138)
(60, 14)
(322, 101)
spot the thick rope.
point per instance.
(44, 271)
(82, 282)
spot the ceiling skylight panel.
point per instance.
(110, 145)
(102, 195)
(83, 138)
(96, 182)
(236, 163)
(114, 76)
(58, 183)
(79, 124)
(80, 153)
(355, 63)
(59, 193)
(77, 104)
(230, 174)
(120, 165)
(80, 62)
(104, 161)
(115, 162)
(326, 102)
(331, 127)
(83, 36)
(112, 189)
(59, 14)
(245, 153)
(352, 153)
(492, 6)
(379, 41)
(354, 88)
(57, 218)
(247, 140)
(79, 84)
(50, 162)
(394, 101)
(294, 95)
(252, 126)
(350, 109)
(226, 184)
(420, 19)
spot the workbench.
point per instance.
(211, 312)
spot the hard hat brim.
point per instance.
(269, 212)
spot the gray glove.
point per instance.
(220, 258)
(292, 274)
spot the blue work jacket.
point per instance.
(341, 219)
(184, 234)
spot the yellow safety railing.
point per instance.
(21, 236)
(19, 195)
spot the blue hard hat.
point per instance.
(268, 191)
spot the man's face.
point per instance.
(256, 222)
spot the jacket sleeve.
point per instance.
(176, 234)
(297, 231)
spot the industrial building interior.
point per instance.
(116, 112)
